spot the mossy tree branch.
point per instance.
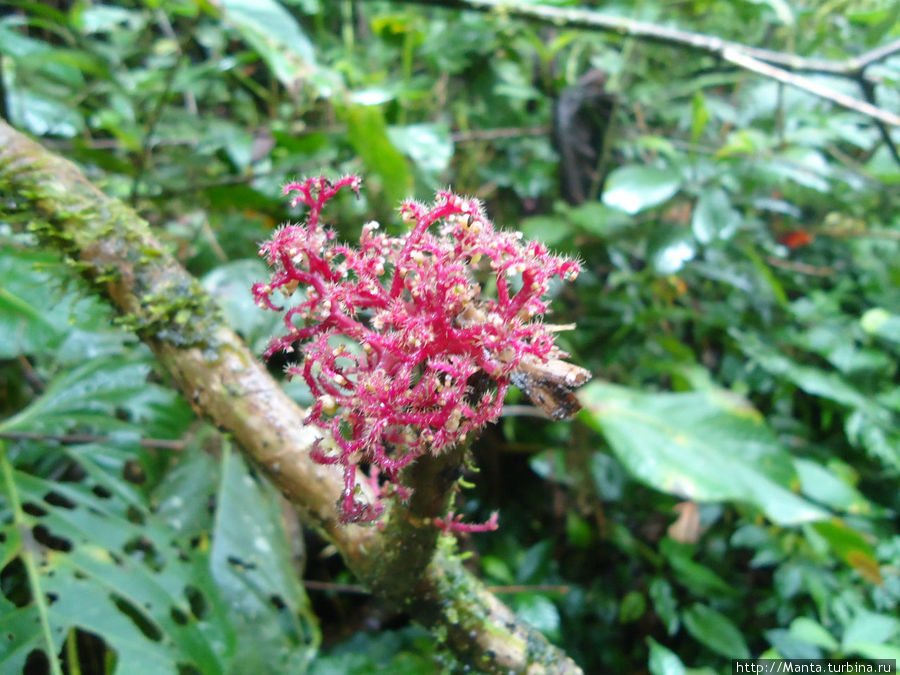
(116, 252)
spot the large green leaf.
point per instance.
(253, 565)
(36, 312)
(107, 566)
(704, 446)
(663, 661)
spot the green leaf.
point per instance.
(851, 546)
(699, 116)
(596, 218)
(811, 380)
(878, 321)
(36, 313)
(808, 630)
(253, 566)
(632, 607)
(822, 485)
(664, 604)
(670, 248)
(716, 631)
(708, 446)
(230, 285)
(409, 651)
(713, 217)
(367, 133)
(540, 612)
(87, 395)
(871, 426)
(636, 188)
(698, 578)
(276, 35)
(663, 661)
(109, 568)
(429, 146)
(869, 628)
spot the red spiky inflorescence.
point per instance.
(395, 333)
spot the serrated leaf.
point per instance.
(706, 446)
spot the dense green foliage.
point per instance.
(730, 489)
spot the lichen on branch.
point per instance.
(404, 350)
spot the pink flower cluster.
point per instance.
(403, 349)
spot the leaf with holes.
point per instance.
(253, 565)
(106, 566)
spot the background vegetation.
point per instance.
(731, 488)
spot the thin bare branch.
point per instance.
(751, 58)
(740, 58)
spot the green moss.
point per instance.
(89, 231)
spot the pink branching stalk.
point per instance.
(403, 351)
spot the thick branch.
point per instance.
(116, 252)
(750, 58)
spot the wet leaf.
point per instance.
(705, 446)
